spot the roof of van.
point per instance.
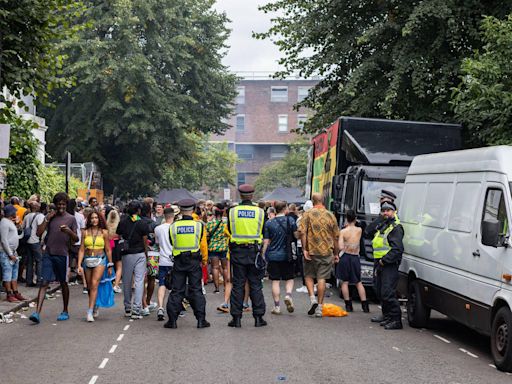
(496, 159)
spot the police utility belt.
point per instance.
(188, 254)
(253, 245)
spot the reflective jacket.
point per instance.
(246, 224)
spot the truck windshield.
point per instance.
(370, 191)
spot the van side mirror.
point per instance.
(491, 233)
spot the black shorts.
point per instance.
(349, 268)
(281, 270)
(116, 255)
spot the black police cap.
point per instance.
(186, 204)
(246, 188)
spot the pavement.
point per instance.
(293, 348)
(29, 293)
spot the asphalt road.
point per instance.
(293, 348)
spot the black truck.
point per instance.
(351, 161)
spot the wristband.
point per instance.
(110, 265)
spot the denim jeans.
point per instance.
(34, 255)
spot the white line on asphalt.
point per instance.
(397, 349)
(113, 349)
(93, 379)
(126, 327)
(120, 337)
(492, 366)
(468, 353)
(442, 339)
(103, 363)
(131, 320)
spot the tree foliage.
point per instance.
(483, 100)
(213, 166)
(22, 164)
(149, 71)
(51, 181)
(31, 59)
(288, 172)
(394, 59)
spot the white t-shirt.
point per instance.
(163, 240)
(34, 222)
(80, 224)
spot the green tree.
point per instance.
(31, 32)
(211, 165)
(22, 164)
(149, 71)
(483, 100)
(288, 172)
(394, 59)
(51, 181)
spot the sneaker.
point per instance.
(95, 312)
(223, 308)
(12, 299)
(117, 289)
(216, 290)
(136, 315)
(145, 311)
(160, 314)
(49, 296)
(276, 310)
(152, 306)
(183, 313)
(90, 317)
(302, 289)
(85, 291)
(34, 317)
(20, 297)
(127, 313)
(289, 304)
(63, 316)
(318, 311)
(312, 309)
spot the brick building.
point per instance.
(262, 123)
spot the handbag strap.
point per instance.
(131, 232)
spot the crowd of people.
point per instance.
(182, 246)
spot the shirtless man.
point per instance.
(348, 269)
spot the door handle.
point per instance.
(476, 253)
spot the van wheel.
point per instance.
(417, 313)
(501, 339)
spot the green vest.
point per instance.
(246, 224)
(185, 236)
(380, 243)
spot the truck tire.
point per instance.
(417, 313)
(501, 339)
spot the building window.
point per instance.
(245, 152)
(279, 94)
(283, 123)
(302, 93)
(241, 179)
(240, 98)
(278, 152)
(240, 123)
(301, 119)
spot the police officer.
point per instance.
(189, 249)
(245, 225)
(387, 252)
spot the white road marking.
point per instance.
(492, 366)
(397, 349)
(468, 353)
(103, 363)
(113, 349)
(131, 320)
(442, 339)
(126, 327)
(93, 379)
(120, 337)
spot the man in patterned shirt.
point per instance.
(319, 234)
(218, 239)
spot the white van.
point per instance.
(456, 211)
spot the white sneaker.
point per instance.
(117, 289)
(318, 311)
(276, 310)
(152, 306)
(302, 289)
(289, 304)
(145, 311)
(90, 317)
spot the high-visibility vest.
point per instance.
(185, 236)
(380, 242)
(246, 224)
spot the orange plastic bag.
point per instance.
(332, 310)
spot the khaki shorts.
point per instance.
(319, 267)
